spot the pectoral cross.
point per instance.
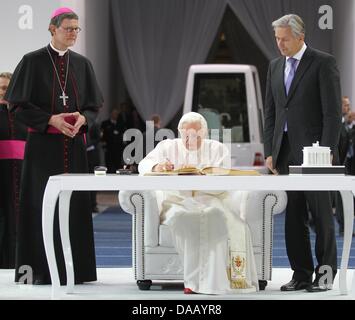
(64, 97)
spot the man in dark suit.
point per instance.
(303, 105)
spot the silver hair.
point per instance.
(293, 21)
(193, 117)
(6, 75)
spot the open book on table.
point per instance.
(209, 171)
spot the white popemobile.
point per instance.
(229, 97)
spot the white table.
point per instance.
(62, 186)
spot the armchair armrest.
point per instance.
(273, 202)
(142, 205)
(249, 204)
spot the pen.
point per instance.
(168, 165)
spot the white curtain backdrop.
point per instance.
(243, 48)
(257, 16)
(157, 41)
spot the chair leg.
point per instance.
(144, 284)
(262, 284)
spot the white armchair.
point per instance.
(153, 253)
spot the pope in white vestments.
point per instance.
(213, 242)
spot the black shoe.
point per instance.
(316, 287)
(295, 285)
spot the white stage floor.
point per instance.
(119, 284)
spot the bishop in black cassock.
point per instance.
(12, 143)
(47, 82)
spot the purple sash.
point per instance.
(12, 149)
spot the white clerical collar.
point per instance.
(60, 52)
(298, 56)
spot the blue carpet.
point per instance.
(113, 240)
(113, 243)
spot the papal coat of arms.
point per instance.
(237, 270)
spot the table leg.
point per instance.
(50, 197)
(348, 205)
(64, 206)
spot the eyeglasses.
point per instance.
(70, 29)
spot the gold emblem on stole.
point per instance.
(236, 272)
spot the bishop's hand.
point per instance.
(58, 122)
(80, 121)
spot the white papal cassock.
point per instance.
(213, 242)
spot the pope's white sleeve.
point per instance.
(152, 158)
